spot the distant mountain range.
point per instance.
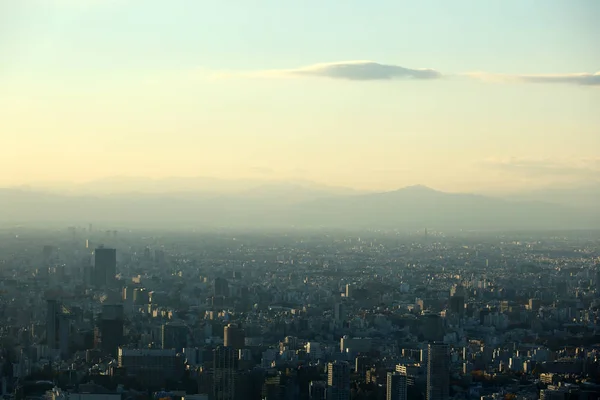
(196, 185)
(273, 205)
(582, 197)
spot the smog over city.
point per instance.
(299, 200)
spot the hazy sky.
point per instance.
(155, 88)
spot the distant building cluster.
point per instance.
(303, 315)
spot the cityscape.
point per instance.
(299, 200)
(97, 313)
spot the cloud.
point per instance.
(364, 71)
(350, 70)
(584, 169)
(374, 71)
(584, 79)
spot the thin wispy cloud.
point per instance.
(374, 71)
(585, 79)
(347, 70)
(364, 71)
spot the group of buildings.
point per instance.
(308, 315)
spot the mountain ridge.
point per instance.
(410, 207)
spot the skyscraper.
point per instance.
(52, 313)
(317, 390)
(438, 373)
(396, 386)
(456, 305)
(111, 328)
(234, 337)
(221, 287)
(64, 332)
(105, 266)
(432, 327)
(339, 312)
(338, 381)
(349, 288)
(225, 368)
(174, 336)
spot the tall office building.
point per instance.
(458, 290)
(224, 376)
(338, 381)
(276, 386)
(52, 321)
(105, 266)
(349, 289)
(174, 336)
(111, 328)
(438, 371)
(535, 304)
(432, 327)
(127, 298)
(234, 337)
(397, 386)
(317, 390)
(456, 305)
(64, 334)
(152, 366)
(411, 371)
(221, 287)
(361, 363)
(141, 296)
(339, 312)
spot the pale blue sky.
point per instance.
(132, 81)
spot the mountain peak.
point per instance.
(418, 188)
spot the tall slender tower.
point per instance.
(438, 372)
(52, 313)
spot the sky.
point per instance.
(466, 95)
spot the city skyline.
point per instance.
(299, 200)
(462, 98)
(307, 314)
